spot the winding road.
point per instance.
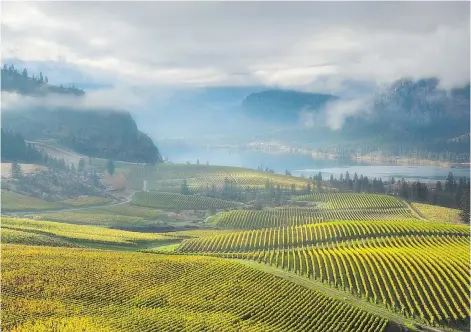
(89, 207)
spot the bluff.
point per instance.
(102, 133)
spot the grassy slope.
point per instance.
(12, 201)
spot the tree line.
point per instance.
(13, 79)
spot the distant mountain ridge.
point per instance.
(103, 133)
(283, 105)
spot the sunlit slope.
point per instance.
(171, 201)
(425, 277)
(168, 177)
(46, 289)
(35, 232)
(313, 234)
(295, 215)
(12, 201)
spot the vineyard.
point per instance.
(438, 213)
(289, 216)
(36, 232)
(114, 291)
(336, 201)
(313, 234)
(169, 201)
(168, 177)
(422, 277)
(277, 262)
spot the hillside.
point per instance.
(103, 133)
(413, 119)
(283, 105)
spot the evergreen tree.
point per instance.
(16, 172)
(81, 165)
(110, 167)
(464, 206)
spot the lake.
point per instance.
(305, 165)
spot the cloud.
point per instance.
(121, 98)
(304, 45)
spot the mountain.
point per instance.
(283, 105)
(101, 133)
(409, 118)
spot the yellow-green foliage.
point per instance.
(12, 201)
(426, 277)
(93, 217)
(44, 287)
(170, 201)
(22, 237)
(84, 234)
(170, 176)
(132, 210)
(438, 213)
(86, 201)
(312, 234)
(294, 215)
(351, 201)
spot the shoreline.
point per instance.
(279, 148)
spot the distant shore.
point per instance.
(278, 147)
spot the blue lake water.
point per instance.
(305, 165)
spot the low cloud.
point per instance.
(335, 113)
(105, 99)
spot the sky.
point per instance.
(140, 56)
(304, 45)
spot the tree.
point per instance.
(81, 165)
(449, 183)
(46, 80)
(184, 188)
(41, 78)
(24, 73)
(464, 213)
(110, 167)
(16, 172)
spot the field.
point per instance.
(293, 215)
(90, 217)
(422, 277)
(114, 291)
(169, 201)
(168, 177)
(35, 232)
(326, 261)
(86, 201)
(438, 213)
(336, 201)
(314, 234)
(26, 168)
(12, 201)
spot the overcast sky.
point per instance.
(306, 46)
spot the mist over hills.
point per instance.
(38, 110)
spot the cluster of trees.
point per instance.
(14, 148)
(266, 169)
(13, 79)
(452, 193)
(356, 183)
